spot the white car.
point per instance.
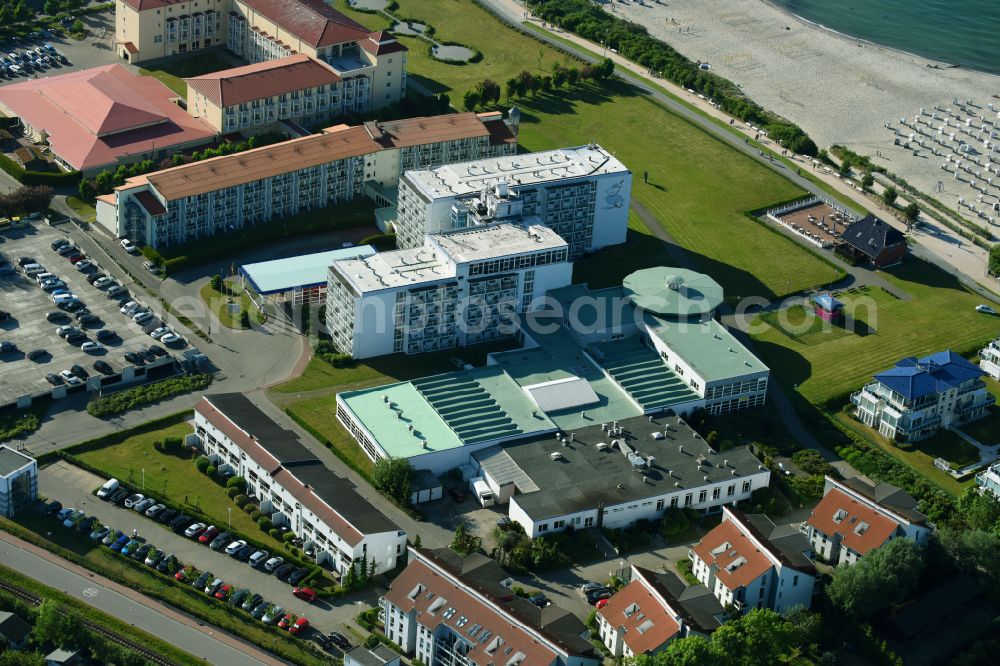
(91, 347)
(171, 338)
(84, 265)
(985, 309)
(67, 375)
(235, 546)
(129, 246)
(273, 564)
(142, 318)
(158, 333)
(103, 282)
(130, 308)
(61, 298)
(194, 529)
(73, 380)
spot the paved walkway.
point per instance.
(193, 636)
(940, 246)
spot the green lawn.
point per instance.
(219, 304)
(171, 477)
(83, 210)
(173, 73)
(985, 430)
(939, 315)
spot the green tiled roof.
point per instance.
(707, 347)
(695, 294)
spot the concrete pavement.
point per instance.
(206, 642)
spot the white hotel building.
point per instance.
(323, 509)
(580, 193)
(456, 289)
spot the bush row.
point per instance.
(122, 401)
(635, 43)
(55, 178)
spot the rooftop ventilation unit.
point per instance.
(657, 435)
(556, 455)
(602, 446)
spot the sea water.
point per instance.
(957, 32)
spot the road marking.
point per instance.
(90, 592)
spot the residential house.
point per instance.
(652, 611)
(874, 242)
(749, 562)
(14, 631)
(855, 517)
(449, 610)
(919, 396)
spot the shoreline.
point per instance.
(934, 63)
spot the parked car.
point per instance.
(165, 563)
(57, 316)
(99, 533)
(180, 522)
(286, 621)
(63, 331)
(195, 530)
(94, 277)
(83, 374)
(540, 600)
(209, 534)
(273, 564)
(589, 587)
(166, 516)
(142, 551)
(273, 614)
(284, 570)
(220, 541)
(258, 558)
(142, 318)
(67, 249)
(172, 339)
(596, 595)
(235, 546)
(112, 537)
(322, 641)
(601, 603)
(133, 500)
(52, 508)
(37, 354)
(158, 333)
(305, 594)
(212, 587)
(183, 574)
(54, 379)
(251, 602)
(120, 543)
(130, 547)
(299, 627)
(103, 283)
(151, 267)
(202, 580)
(84, 265)
(134, 358)
(238, 597)
(155, 510)
(985, 309)
(298, 575)
(154, 557)
(339, 640)
(106, 335)
(109, 488)
(120, 495)
(129, 246)
(223, 592)
(58, 243)
(260, 609)
(86, 318)
(143, 505)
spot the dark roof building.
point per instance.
(13, 630)
(874, 241)
(312, 21)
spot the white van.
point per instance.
(483, 492)
(42, 277)
(108, 488)
(33, 269)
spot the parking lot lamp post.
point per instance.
(143, 478)
(229, 515)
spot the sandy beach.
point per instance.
(838, 89)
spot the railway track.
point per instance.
(146, 653)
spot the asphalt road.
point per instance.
(200, 641)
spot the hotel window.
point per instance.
(716, 492)
(746, 486)
(702, 496)
(544, 527)
(731, 490)
(687, 499)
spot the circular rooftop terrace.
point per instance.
(673, 292)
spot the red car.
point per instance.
(305, 593)
(209, 534)
(223, 592)
(300, 625)
(286, 621)
(601, 603)
(73, 258)
(181, 574)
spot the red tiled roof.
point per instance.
(108, 198)
(381, 43)
(150, 203)
(648, 622)
(441, 593)
(131, 47)
(95, 117)
(312, 21)
(143, 5)
(728, 546)
(263, 80)
(825, 519)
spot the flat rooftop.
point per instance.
(586, 476)
(304, 270)
(398, 268)
(497, 240)
(707, 346)
(11, 460)
(673, 292)
(529, 169)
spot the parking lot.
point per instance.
(29, 329)
(93, 51)
(74, 488)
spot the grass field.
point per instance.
(699, 187)
(219, 304)
(83, 210)
(171, 477)
(986, 430)
(939, 315)
(173, 73)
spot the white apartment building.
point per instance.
(447, 610)
(457, 289)
(920, 396)
(612, 476)
(748, 562)
(989, 479)
(989, 359)
(855, 517)
(228, 193)
(18, 481)
(652, 611)
(323, 509)
(580, 193)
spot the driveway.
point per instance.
(73, 487)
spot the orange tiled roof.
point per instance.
(647, 621)
(263, 80)
(738, 559)
(839, 513)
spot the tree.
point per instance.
(465, 543)
(674, 522)
(911, 212)
(244, 318)
(86, 189)
(979, 511)
(22, 658)
(605, 68)
(202, 463)
(883, 578)
(417, 543)
(77, 27)
(351, 576)
(470, 100)
(510, 88)
(371, 568)
(236, 482)
(546, 83)
(867, 181)
(558, 76)
(217, 282)
(55, 625)
(391, 477)
(573, 76)
(489, 91)
(890, 195)
(26, 199)
(21, 12)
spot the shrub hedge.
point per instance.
(116, 403)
